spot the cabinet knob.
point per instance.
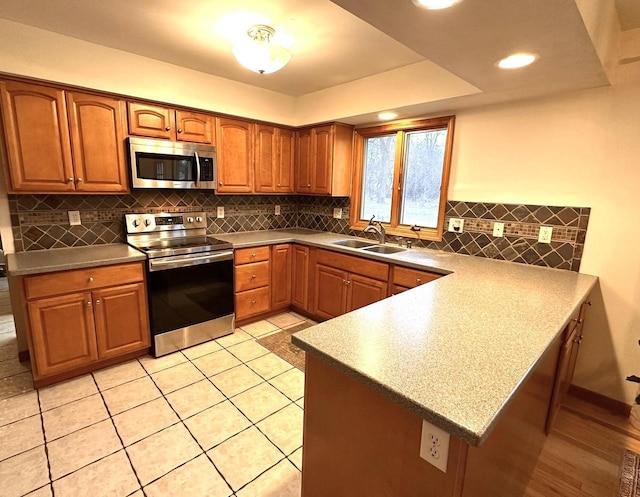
(97, 301)
(70, 179)
(221, 184)
(253, 276)
(79, 180)
(253, 255)
(89, 303)
(253, 302)
(179, 130)
(418, 281)
(279, 184)
(309, 185)
(168, 128)
(90, 279)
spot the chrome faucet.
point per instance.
(378, 230)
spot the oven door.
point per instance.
(185, 291)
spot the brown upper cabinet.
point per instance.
(274, 159)
(323, 162)
(234, 155)
(156, 121)
(64, 142)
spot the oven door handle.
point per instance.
(197, 169)
(160, 265)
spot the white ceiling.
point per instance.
(342, 44)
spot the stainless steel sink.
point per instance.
(384, 249)
(353, 243)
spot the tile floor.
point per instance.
(219, 419)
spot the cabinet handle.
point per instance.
(418, 281)
(168, 128)
(253, 276)
(97, 301)
(179, 130)
(90, 279)
(79, 180)
(70, 179)
(309, 185)
(253, 255)
(221, 184)
(253, 302)
(279, 184)
(89, 303)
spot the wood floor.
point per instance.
(582, 455)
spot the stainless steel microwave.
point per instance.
(167, 164)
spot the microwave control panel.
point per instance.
(206, 169)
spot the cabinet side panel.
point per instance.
(357, 442)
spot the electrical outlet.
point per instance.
(434, 446)
(74, 218)
(276, 210)
(220, 212)
(337, 213)
(456, 225)
(498, 229)
(545, 234)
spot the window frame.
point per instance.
(400, 129)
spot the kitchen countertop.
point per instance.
(62, 259)
(455, 350)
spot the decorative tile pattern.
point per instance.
(41, 221)
(519, 243)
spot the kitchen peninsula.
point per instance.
(474, 353)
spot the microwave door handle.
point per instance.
(197, 169)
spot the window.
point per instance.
(401, 176)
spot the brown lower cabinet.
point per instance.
(252, 281)
(343, 283)
(84, 317)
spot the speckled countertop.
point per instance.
(46, 261)
(455, 350)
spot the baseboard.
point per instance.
(600, 400)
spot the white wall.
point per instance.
(578, 149)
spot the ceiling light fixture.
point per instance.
(435, 4)
(517, 60)
(259, 53)
(386, 116)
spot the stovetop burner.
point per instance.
(168, 234)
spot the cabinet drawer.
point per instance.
(252, 302)
(80, 280)
(249, 276)
(357, 265)
(411, 278)
(253, 254)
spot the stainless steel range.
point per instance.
(189, 279)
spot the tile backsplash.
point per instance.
(521, 226)
(41, 222)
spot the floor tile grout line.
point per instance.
(14, 374)
(124, 449)
(46, 448)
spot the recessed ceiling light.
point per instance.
(435, 4)
(517, 60)
(386, 116)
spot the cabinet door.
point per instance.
(323, 159)
(286, 161)
(304, 157)
(363, 291)
(300, 277)
(97, 143)
(37, 138)
(151, 120)
(266, 158)
(62, 330)
(330, 291)
(234, 156)
(281, 275)
(194, 127)
(563, 376)
(122, 323)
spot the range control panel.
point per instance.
(165, 221)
